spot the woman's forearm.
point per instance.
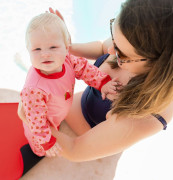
(107, 138)
(71, 148)
(96, 143)
(90, 50)
(106, 44)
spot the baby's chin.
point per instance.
(48, 72)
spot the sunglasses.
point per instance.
(118, 58)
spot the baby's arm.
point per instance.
(88, 72)
(35, 108)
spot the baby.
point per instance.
(48, 91)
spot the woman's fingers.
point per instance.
(50, 153)
(56, 12)
(59, 14)
(51, 10)
(57, 149)
(54, 151)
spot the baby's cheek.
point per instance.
(34, 61)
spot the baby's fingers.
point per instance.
(116, 83)
(119, 88)
(103, 96)
(112, 87)
(112, 91)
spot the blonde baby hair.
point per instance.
(42, 21)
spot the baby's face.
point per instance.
(47, 49)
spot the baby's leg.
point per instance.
(75, 118)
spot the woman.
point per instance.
(142, 37)
(142, 42)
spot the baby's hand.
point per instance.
(53, 151)
(111, 88)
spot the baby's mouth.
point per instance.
(47, 62)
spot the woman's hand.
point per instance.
(54, 150)
(57, 13)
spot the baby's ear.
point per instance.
(67, 47)
(69, 40)
(68, 44)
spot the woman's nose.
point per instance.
(111, 50)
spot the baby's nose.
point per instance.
(45, 54)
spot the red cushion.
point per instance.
(11, 140)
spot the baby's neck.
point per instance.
(59, 69)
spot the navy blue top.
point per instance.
(95, 109)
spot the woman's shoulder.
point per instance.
(124, 131)
(167, 113)
(141, 127)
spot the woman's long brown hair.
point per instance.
(148, 26)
